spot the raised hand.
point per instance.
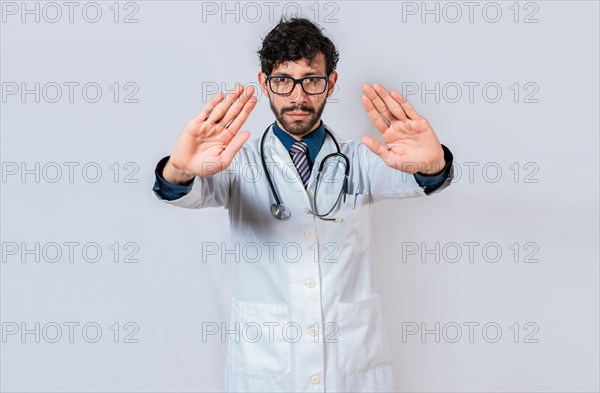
(412, 145)
(209, 141)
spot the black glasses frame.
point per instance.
(300, 81)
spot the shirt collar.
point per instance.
(314, 140)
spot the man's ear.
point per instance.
(262, 80)
(332, 81)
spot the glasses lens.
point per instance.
(281, 84)
(329, 186)
(314, 85)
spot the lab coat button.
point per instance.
(315, 379)
(308, 234)
(311, 283)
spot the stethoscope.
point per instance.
(281, 211)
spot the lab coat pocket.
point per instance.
(362, 344)
(260, 350)
(345, 207)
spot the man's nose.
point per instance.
(297, 94)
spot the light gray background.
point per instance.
(172, 55)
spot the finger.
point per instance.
(235, 109)
(378, 103)
(408, 108)
(374, 114)
(376, 147)
(219, 111)
(234, 146)
(203, 115)
(393, 105)
(240, 118)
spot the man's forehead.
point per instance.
(317, 65)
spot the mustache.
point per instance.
(300, 108)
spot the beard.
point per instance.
(298, 127)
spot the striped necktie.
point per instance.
(299, 152)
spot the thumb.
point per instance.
(235, 144)
(376, 147)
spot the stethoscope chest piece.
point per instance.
(280, 211)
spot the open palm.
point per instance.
(209, 141)
(411, 144)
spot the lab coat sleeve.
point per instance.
(204, 191)
(384, 182)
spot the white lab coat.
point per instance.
(305, 312)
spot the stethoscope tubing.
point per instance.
(278, 203)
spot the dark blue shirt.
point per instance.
(314, 141)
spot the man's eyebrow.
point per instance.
(307, 73)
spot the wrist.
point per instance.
(446, 162)
(174, 175)
(434, 169)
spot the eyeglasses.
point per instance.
(284, 85)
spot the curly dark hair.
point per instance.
(295, 39)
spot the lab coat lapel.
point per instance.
(284, 174)
(286, 179)
(327, 148)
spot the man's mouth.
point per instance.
(298, 115)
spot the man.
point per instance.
(315, 306)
